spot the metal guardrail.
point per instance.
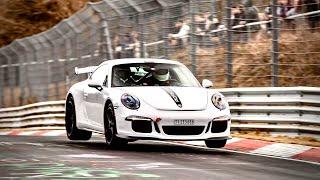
(41, 114)
(281, 109)
(294, 110)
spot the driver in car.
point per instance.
(158, 77)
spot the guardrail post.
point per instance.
(275, 44)
(229, 55)
(193, 46)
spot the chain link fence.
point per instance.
(239, 43)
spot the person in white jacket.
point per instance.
(182, 34)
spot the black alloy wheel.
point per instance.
(110, 128)
(73, 133)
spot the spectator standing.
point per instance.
(289, 10)
(238, 18)
(181, 36)
(251, 14)
(313, 19)
(280, 12)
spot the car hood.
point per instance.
(171, 98)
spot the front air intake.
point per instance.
(219, 126)
(183, 130)
(142, 126)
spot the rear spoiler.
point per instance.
(87, 70)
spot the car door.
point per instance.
(93, 97)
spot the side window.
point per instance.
(100, 75)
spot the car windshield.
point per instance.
(152, 74)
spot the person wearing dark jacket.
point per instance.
(251, 14)
(313, 19)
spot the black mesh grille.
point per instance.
(142, 126)
(219, 126)
(183, 130)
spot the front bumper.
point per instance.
(165, 129)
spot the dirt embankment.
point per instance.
(22, 18)
(299, 58)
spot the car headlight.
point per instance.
(218, 101)
(130, 101)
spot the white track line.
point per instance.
(239, 152)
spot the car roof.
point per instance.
(138, 60)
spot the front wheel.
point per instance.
(110, 129)
(73, 133)
(215, 143)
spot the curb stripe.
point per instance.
(54, 133)
(40, 133)
(247, 145)
(27, 133)
(4, 133)
(14, 133)
(282, 150)
(233, 140)
(312, 154)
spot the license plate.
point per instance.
(183, 122)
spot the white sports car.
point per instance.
(132, 99)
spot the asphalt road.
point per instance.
(59, 158)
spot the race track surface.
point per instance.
(59, 158)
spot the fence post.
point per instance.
(1, 87)
(22, 75)
(27, 58)
(193, 46)
(165, 26)
(275, 44)
(10, 80)
(214, 8)
(229, 55)
(29, 68)
(141, 30)
(2, 67)
(106, 37)
(46, 61)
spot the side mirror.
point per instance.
(95, 85)
(207, 83)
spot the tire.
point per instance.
(73, 133)
(215, 143)
(110, 128)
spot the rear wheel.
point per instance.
(110, 128)
(73, 133)
(215, 143)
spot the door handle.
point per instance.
(85, 95)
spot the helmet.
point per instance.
(161, 74)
